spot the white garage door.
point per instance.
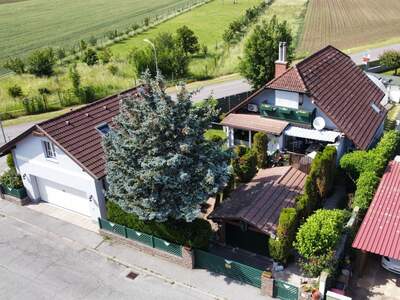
(64, 196)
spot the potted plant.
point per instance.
(12, 184)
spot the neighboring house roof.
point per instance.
(255, 123)
(292, 81)
(76, 134)
(260, 201)
(380, 230)
(340, 89)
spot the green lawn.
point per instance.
(31, 24)
(211, 132)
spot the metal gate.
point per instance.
(229, 268)
(285, 291)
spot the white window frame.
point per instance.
(49, 150)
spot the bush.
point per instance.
(11, 179)
(245, 166)
(41, 62)
(279, 248)
(194, 234)
(15, 91)
(366, 186)
(316, 264)
(113, 69)
(90, 57)
(10, 161)
(87, 94)
(16, 65)
(260, 147)
(320, 233)
(323, 168)
(105, 56)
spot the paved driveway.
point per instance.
(35, 264)
(376, 282)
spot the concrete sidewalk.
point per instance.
(202, 281)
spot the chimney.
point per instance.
(281, 64)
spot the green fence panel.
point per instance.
(285, 291)
(112, 227)
(167, 246)
(140, 237)
(232, 269)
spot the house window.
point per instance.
(103, 129)
(49, 150)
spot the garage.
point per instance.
(63, 196)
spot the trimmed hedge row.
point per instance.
(366, 167)
(194, 234)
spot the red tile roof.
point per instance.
(260, 201)
(76, 134)
(380, 230)
(340, 89)
(290, 81)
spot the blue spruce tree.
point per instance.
(159, 166)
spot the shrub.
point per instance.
(90, 57)
(279, 248)
(260, 146)
(194, 234)
(15, 91)
(41, 62)
(11, 179)
(60, 53)
(10, 161)
(320, 233)
(245, 166)
(366, 186)
(323, 168)
(316, 264)
(113, 69)
(87, 94)
(105, 56)
(16, 65)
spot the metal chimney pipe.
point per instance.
(284, 51)
(280, 52)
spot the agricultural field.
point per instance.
(29, 24)
(348, 24)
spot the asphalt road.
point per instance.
(35, 264)
(373, 53)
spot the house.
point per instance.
(379, 231)
(324, 99)
(61, 160)
(251, 213)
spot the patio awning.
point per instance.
(254, 122)
(312, 134)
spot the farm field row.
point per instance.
(30, 24)
(349, 24)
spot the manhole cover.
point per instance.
(131, 275)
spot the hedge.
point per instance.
(366, 186)
(11, 179)
(260, 146)
(245, 164)
(321, 232)
(279, 248)
(194, 234)
(375, 160)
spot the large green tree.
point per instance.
(261, 51)
(390, 59)
(187, 40)
(41, 62)
(159, 165)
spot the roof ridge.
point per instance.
(88, 105)
(319, 52)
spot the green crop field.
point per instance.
(29, 24)
(208, 22)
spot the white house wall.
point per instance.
(287, 99)
(308, 105)
(31, 162)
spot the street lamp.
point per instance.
(155, 52)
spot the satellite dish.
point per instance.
(319, 123)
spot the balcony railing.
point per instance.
(287, 114)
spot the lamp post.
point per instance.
(155, 52)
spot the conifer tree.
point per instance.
(159, 165)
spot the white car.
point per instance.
(391, 264)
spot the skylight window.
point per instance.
(103, 128)
(375, 108)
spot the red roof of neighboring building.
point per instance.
(260, 201)
(380, 230)
(340, 89)
(76, 134)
